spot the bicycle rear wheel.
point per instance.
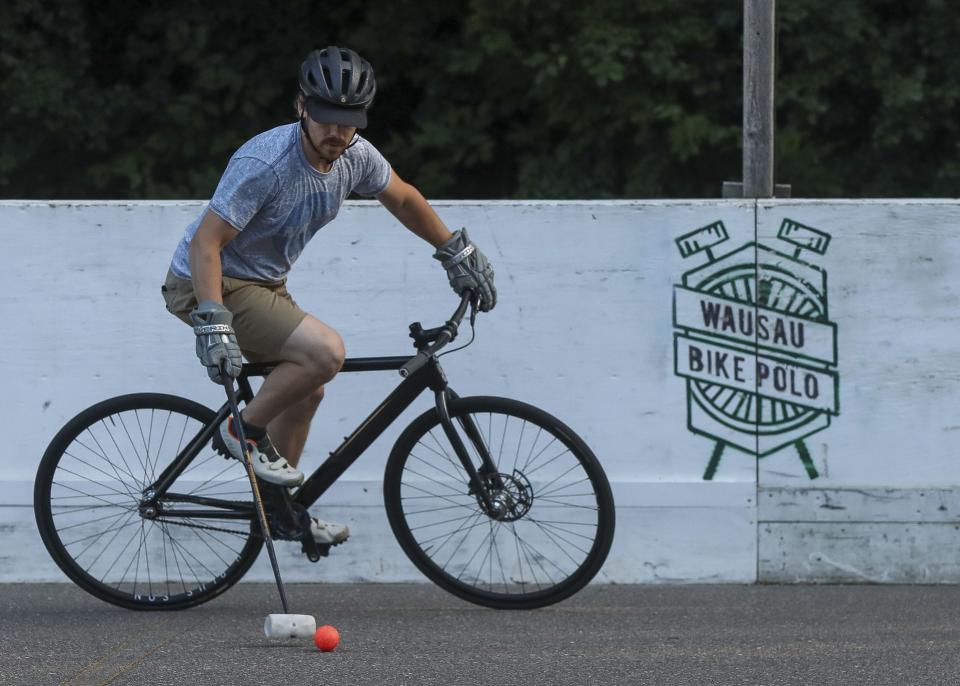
(554, 514)
(88, 501)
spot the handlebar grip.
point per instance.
(413, 364)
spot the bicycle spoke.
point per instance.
(540, 556)
(531, 458)
(436, 495)
(122, 551)
(516, 457)
(520, 559)
(553, 521)
(559, 528)
(446, 521)
(199, 463)
(526, 547)
(103, 455)
(166, 564)
(442, 452)
(541, 493)
(213, 478)
(117, 446)
(112, 490)
(533, 446)
(163, 436)
(221, 542)
(462, 527)
(127, 469)
(70, 509)
(563, 504)
(146, 560)
(177, 545)
(434, 509)
(526, 470)
(173, 550)
(548, 485)
(433, 466)
(198, 561)
(87, 538)
(466, 566)
(132, 444)
(200, 536)
(90, 521)
(503, 574)
(117, 533)
(439, 483)
(146, 446)
(564, 548)
(112, 477)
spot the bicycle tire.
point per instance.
(409, 500)
(86, 450)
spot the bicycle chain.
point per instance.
(208, 528)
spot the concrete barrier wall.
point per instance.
(716, 355)
(885, 506)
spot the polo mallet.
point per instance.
(283, 625)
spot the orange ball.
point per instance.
(326, 638)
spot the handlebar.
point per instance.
(447, 333)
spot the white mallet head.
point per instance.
(290, 626)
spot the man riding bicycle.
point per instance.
(228, 273)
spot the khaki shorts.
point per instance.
(264, 314)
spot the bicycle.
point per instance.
(492, 499)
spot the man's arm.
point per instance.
(467, 267)
(407, 204)
(211, 236)
(217, 345)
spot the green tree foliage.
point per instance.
(482, 98)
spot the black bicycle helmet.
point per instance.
(338, 86)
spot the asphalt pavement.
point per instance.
(417, 634)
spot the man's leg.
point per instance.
(290, 395)
(312, 356)
(289, 429)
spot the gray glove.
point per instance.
(216, 340)
(467, 268)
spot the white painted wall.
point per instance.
(584, 328)
(885, 507)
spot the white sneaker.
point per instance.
(328, 533)
(267, 462)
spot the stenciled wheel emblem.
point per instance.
(754, 342)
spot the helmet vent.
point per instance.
(326, 76)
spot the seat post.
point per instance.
(246, 391)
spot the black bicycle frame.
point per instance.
(429, 376)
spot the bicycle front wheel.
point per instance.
(89, 503)
(546, 528)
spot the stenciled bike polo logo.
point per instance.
(754, 342)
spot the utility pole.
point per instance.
(758, 68)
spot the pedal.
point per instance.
(220, 446)
(286, 517)
(313, 550)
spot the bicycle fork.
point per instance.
(487, 475)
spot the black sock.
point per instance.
(252, 432)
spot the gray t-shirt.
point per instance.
(278, 201)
